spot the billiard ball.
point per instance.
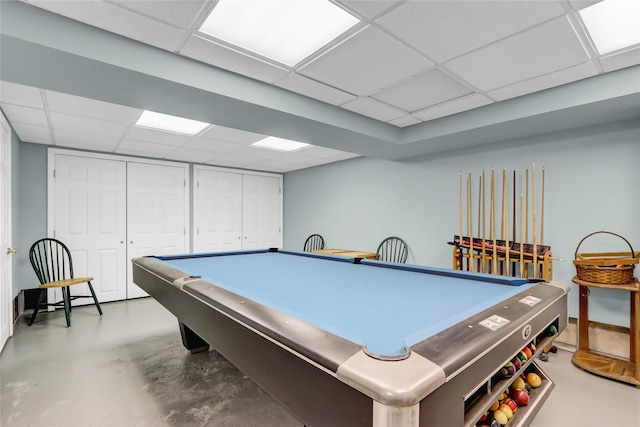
(521, 397)
(527, 351)
(516, 362)
(534, 380)
(508, 370)
(511, 404)
(495, 405)
(518, 384)
(495, 423)
(522, 356)
(500, 416)
(532, 346)
(506, 409)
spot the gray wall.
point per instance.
(591, 180)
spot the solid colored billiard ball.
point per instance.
(517, 362)
(506, 409)
(495, 405)
(518, 384)
(495, 423)
(521, 397)
(527, 351)
(534, 380)
(522, 356)
(500, 416)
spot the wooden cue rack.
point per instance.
(463, 254)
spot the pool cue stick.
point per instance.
(469, 181)
(535, 225)
(492, 219)
(479, 261)
(521, 235)
(460, 255)
(526, 221)
(484, 225)
(513, 265)
(507, 248)
(542, 219)
(502, 218)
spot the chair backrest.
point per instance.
(313, 242)
(51, 260)
(393, 249)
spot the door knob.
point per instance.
(11, 251)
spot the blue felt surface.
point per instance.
(383, 309)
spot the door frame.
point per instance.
(6, 287)
(52, 152)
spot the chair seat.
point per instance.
(66, 282)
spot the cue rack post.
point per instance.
(501, 256)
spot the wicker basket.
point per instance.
(606, 267)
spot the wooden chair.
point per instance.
(51, 261)
(313, 242)
(393, 249)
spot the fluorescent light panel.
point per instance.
(167, 123)
(286, 31)
(280, 144)
(613, 24)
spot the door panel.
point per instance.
(157, 214)
(89, 206)
(262, 212)
(6, 276)
(218, 211)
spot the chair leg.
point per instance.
(67, 305)
(95, 299)
(35, 310)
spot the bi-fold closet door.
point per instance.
(236, 210)
(109, 209)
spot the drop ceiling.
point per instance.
(405, 65)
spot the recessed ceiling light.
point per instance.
(286, 31)
(613, 24)
(280, 144)
(167, 123)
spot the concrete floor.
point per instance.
(128, 368)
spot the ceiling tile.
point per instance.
(26, 96)
(366, 62)
(620, 60)
(215, 54)
(581, 4)
(452, 107)
(157, 137)
(143, 148)
(84, 140)
(181, 13)
(371, 108)
(86, 124)
(85, 107)
(116, 19)
(445, 29)
(424, 90)
(26, 115)
(213, 145)
(313, 89)
(369, 8)
(28, 133)
(541, 50)
(546, 81)
(232, 135)
(275, 165)
(186, 154)
(404, 121)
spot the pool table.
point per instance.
(353, 342)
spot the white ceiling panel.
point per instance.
(116, 19)
(213, 146)
(446, 29)
(313, 89)
(365, 63)
(621, 60)
(424, 90)
(12, 93)
(186, 154)
(84, 107)
(215, 54)
(143, 148)
(370, 8)
(541, 50)
(26, 115)
(232, 135)
(86, 140)
(546, 81)
(30, 133)
(149, 135)
(87, 124)
(181, 13)
(404, 121)
(452, 107)
(371, 108)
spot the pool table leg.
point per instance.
(384, 415)
(191, 340)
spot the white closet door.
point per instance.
(218, 211)
(157, 206)
(262, 212)
(89, 216)
(6, 281)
